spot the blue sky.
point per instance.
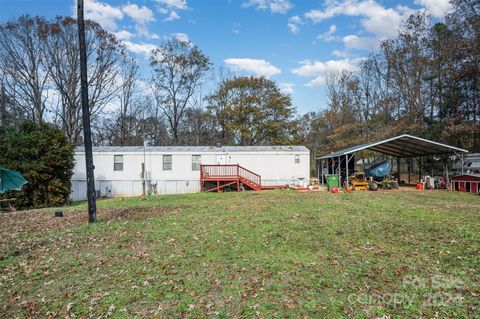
(295, 43)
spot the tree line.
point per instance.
(425, 81)
(39, 80)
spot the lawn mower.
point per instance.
(375, 177)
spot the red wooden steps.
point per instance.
(215, 178)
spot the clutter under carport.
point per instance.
(338, 169)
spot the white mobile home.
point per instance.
(176, 169)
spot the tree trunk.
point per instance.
(87, 135)
(3, 108)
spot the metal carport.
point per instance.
(402, 146)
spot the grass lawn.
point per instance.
(397, 254)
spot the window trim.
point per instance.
(297, 159)
(163, 162)
(199, 156)
(115, 163)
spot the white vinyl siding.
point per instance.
(276, 167)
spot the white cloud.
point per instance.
(123, 35)
(162, 10)
(340, 53)
(275, 6)
(354, 42)
(294, 24)
(236, 28)
(182, 37)
(329, 35)
(280, 6)
(177, 4)
(255, 66)
(103, 13)
(287, 88)
(437, 8)
(384, 23)
(170, 7)
(172, 16)
(377, 19)
(320, 70)
(144, 32)
(141, 15)
(140, 48)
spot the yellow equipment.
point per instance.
(358, 181)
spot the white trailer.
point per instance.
(176, 169)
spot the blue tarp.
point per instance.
(379, 170)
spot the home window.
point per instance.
(196, 161)
(118, 162)
(167, 162)
(297, 159)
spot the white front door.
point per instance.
(220, 159)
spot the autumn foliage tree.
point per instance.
(425, 81)
(43, 154)
(252, 111)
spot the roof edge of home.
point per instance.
(189, 149)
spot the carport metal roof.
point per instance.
(401, 146)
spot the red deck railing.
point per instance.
(249, 175)
(228, 171)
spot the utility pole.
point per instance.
(144, 168)
(87, 134)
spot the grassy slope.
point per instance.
(270, 254)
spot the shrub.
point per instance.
(44, 156)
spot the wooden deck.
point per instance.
(228, 177)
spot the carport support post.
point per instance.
(346, 171)
(321, 165)
(419, 169)
(409, 166)
(339, 165)
(318, 169)
(461, 158)
(398, 169)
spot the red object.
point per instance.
(419, 186)
(221, 176)
(466, 183)
(335, 190)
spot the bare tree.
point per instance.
(21, 57)
(131, 105)
(178, 69)
(104, 56)
(3, 106)
(3, 101)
